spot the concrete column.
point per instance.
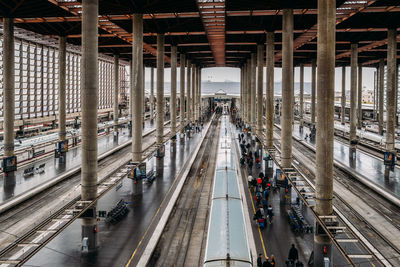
(151, 93)
(375, 95)
(301, 94)
(188, 92)
(9, 93)
(248, 103)
(287, 88)
(194, 112)
(359, 97)
(241, 92)
(182, 89)
(343, 99)
(173, 89)
(253, 92)
(144, 96)
(89, 94)
(62, 53)
(244, 93)
(160, 89)
(199, 94)
(130, 97)
(391, 90)
(269, 105)
(193, 104)
(325, 128)
(313, 88)
(116, 92)
(353, 94)
(381, 74)
(137, 88)
(260, 67)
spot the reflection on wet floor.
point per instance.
(54, 168)
(364, 164)
(118, 241)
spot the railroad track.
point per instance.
(21, 224)
(370, 199)
(172, 248)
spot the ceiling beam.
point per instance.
(214, 25)
(344, 11)
(110, 27)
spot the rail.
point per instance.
(333, 224)
(30, 243)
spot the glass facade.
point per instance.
(36, 80)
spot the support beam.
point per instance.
(160, 89)
(260, 67)
(198, 93)
(269, 105)
(89, 94)
(287, 88)
(137, 87)
(116, 92)
(244, 93)
(343, 99)
(130, 98)
(325, 125)
(9, 94)
(248, 103)
(359, 98)
(62, 68)
(253, 92)
(301, 95)
(376, 95)
(381, 74)
(391, 90)
(353, 95)
(144, 96)
(182, 90)
(313, 89)
(241, 92)
(193, 103)
(188, 92)
(173, 89)
(151, 93)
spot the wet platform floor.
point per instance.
(364, 164)
(53, 168)
(118, 242)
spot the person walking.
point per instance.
(270, 213)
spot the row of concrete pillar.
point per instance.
(89, 96)
(323, 108)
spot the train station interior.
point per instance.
(199, 133)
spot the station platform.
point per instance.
(123, 242)
(363, 164)
(54, 168)
(277, 238)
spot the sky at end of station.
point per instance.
(222, 74)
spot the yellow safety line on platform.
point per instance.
(151, 222)
(254, 210)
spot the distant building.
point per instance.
(367, 95)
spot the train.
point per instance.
(227, 240)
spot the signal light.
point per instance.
(325, 250)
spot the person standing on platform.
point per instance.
(259, 260)
(266, 263)
(293, 254)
